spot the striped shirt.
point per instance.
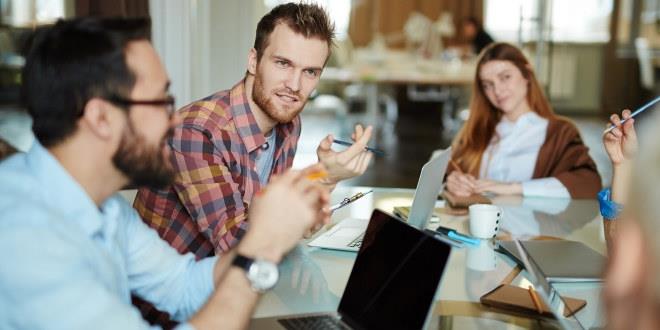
(214, 153)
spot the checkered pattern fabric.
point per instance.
(214, 153)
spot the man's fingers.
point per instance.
(326, 143)
(358, 132)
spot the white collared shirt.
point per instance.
(512, 153)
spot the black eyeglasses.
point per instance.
(167, 103)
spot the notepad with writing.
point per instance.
(517, 299)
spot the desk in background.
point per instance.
(402, 68)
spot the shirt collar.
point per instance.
(246, 123)
(529, 118)
(63, 191)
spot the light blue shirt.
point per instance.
(264, 161)
(68, 264)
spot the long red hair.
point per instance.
(475, 135)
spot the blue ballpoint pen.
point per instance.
(638, 111)
(463, 238)
(459, 237)
(344, 143)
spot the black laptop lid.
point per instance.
(395, 276)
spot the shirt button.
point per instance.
(265, 146)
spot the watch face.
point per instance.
(263, 275)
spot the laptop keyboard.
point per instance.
(357, 242)
(312, 322)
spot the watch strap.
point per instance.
(242, 261)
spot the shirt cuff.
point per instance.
(608, 209)
(545, 187)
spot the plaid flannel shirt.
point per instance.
(214, 153)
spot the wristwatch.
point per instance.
(262, 274)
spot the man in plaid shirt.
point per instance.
(231, 142)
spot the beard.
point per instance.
(261, 99)
(143, 164)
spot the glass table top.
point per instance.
(313, 279)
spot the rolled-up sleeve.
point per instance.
(157, 273)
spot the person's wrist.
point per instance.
(516, 188)
(609, 209)
(623, 164)
(260, 248)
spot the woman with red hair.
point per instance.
(513, 143)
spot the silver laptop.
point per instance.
(561, 260)
(545, 291)
(347, 234)
(391, 286)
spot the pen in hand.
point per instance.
(344, 143)
(638, 111)
(456, 167)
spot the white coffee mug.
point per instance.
(484, 220)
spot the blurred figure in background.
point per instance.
(474, 32)
(632, 290)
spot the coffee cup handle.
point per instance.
(499, 219)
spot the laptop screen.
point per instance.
(395, 276)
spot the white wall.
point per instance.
(204, 43)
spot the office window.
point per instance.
(567, 20)
(31, 12)
(339, 10)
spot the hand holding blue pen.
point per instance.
(344, 143)
(638, 111)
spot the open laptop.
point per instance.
(347, 234)
(545, 291)
(391, 286)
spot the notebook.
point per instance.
(380, 281)
(561, 260)
(347, 234)
(463, 202)
(517, 299)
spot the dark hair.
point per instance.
(474, 21)
(72, 62)
(310, 20)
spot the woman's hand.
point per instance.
(621, 142)
(461, 184)
(497, 187)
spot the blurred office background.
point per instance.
(399, 65)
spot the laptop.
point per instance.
(561, 260)
(391, 286)
(347, 234)
(545, 291)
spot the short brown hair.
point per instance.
(307, 19)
